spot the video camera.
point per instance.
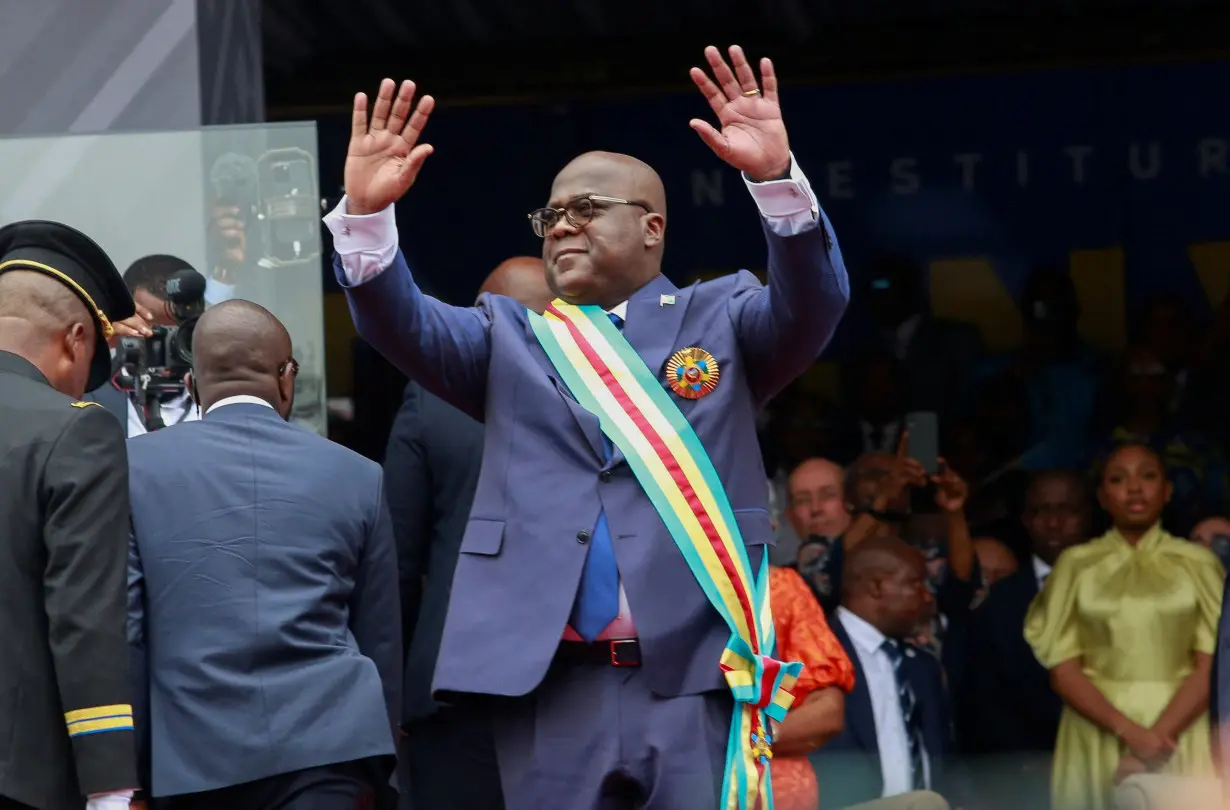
(155, 366)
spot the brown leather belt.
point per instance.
(625, 652)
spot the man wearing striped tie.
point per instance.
(890, 753)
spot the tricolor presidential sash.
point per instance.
(610, 380)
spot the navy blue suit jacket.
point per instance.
(430, 472)
(848, 766)
(263, 607)
(1008, 705)
(545, 476)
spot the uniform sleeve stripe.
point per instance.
(117, 723)
(97, 712)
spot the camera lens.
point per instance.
(181, 344)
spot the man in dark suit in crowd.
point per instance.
(1009, 713)
(65, 691)
(431, 471)
(263, 593)
(892, 749)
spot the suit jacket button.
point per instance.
(604, 476)
(582, 537)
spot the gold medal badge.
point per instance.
(691, 373)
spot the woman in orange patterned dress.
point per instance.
(818, 712)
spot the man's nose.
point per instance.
(562, 228)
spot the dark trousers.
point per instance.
(450, 759)
(594, 737)
(345, 786)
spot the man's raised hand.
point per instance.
(385, 156)
(753, 137)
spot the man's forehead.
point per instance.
(812, 476)
(1054, 488)
(590, 176)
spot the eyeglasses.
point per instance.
(578, 213)
(290, 364)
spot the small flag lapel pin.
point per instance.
(666, 300)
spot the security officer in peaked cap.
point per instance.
(66, 728)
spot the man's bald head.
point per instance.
(44, 322)
(619, 250)
(885, 583)
(240, 347)
(522, 278)
(625, 176)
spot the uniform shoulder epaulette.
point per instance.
(82, 404)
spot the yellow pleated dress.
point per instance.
(1134, 616)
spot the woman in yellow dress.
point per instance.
(1126, 624)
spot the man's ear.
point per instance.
(77, 341)
(190, 384)
(655, 229)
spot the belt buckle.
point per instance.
(616, 645)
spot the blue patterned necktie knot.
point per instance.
(615, 319)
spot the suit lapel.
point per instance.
(587, 423)
(650, 326)
(861, 721)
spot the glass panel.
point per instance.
(241, 205)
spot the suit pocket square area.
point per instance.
(484, 537)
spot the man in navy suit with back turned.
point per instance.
(263, 606)
(576, 610)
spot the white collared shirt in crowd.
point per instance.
(1041, 571)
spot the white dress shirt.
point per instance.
(367, 243)
(891, 735)
(180, 409)
(1041, 571)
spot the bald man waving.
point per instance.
(608, 588)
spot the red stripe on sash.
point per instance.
(672, 466)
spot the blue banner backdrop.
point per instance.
(1121, 175)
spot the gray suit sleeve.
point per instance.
(375, 614)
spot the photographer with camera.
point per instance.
(151, 352)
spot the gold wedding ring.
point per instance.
(754, 92)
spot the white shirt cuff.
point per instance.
(788, 205)
(366, 243)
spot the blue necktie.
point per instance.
(909, 713)
(597, 602)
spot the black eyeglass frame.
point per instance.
(542, 220)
